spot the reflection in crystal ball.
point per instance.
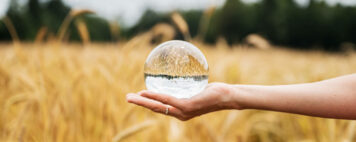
(176, 68)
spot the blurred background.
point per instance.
(321, 24)
(66, 66)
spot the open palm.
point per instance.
(214, 97)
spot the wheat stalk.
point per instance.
(114, 30)
(12, 30)
(227, 124)
(205, 22)
(67, 20)
(83, 31)
(182, 25)
(41, 35)
(132, 130)
(258, 41)
(162, 31)
(350, 133)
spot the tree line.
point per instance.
(283, 22)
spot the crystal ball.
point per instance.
(176, 68)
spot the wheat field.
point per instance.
(70, 92)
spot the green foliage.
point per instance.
(236, 20)
(29, 19)
(193, 19)
(147, 21)
(283, 22)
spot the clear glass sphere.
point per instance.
(176, 68)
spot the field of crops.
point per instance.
(67, 92)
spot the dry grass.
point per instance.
(181, 24)
(53, 92)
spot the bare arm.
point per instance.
(333, 98)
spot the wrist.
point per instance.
(241, 96)
(222, 95)
(233, 96)
(230, 97)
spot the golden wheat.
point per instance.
(78, 94)
(181, 24)
(68, 19)
(12, 30)
(83, 31)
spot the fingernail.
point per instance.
(128, 97)
(143, 93)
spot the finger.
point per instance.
(153, 105)
(166, 99)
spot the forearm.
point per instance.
(335, 98)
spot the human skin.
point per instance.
(332, 98)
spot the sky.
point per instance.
(128, 12)
(4, 5)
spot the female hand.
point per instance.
(333, 98)
(216, 96)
